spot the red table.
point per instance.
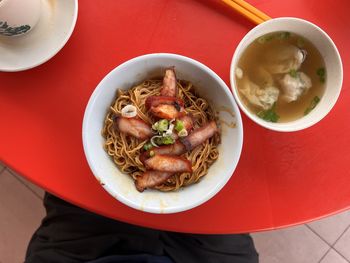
(282, 178)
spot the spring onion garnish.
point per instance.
(155, 138)
(312, 105)
(161, 125)
(269, 115)
(266, 38)
(160, 140)
(129, 111)
(164, 140)
(321, 73)
(164, 130)
(179, 125)
(183, 133)
(283, 35)
(148, 146)
(167, 140)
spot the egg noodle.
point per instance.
(125, 150)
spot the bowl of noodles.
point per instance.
(162, 133)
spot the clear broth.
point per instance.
(253, 57)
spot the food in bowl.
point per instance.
(209, 86)
(162, 133)
(280, 77)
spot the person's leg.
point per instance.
(69, 234)
(209, 248)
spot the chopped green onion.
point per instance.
(312, 105)
(293, 73)
(269, 115)
(266, 38)
(151, 153)
(167, 140)
(262, 40)
(161, 125)
(147, 146)
(283, 35)
(160, 140)
(155, 126)
(321, 72)
(183, 133)
(179, 125)
(155, 139)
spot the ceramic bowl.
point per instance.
(121, 186)
(329, 52)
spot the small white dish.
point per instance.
(325, 46)
(52, 31)
(121, 186)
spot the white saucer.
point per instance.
(56, 24)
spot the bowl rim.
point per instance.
(169, 209)
(287, 126)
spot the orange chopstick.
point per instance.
(252, 9)
(247, 10)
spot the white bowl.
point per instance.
(331, 58)
(120, 185)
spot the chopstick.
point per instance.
(247, 10)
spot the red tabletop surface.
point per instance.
(281, 179)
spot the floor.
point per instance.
(323, 241)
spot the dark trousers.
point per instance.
(69, 234)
